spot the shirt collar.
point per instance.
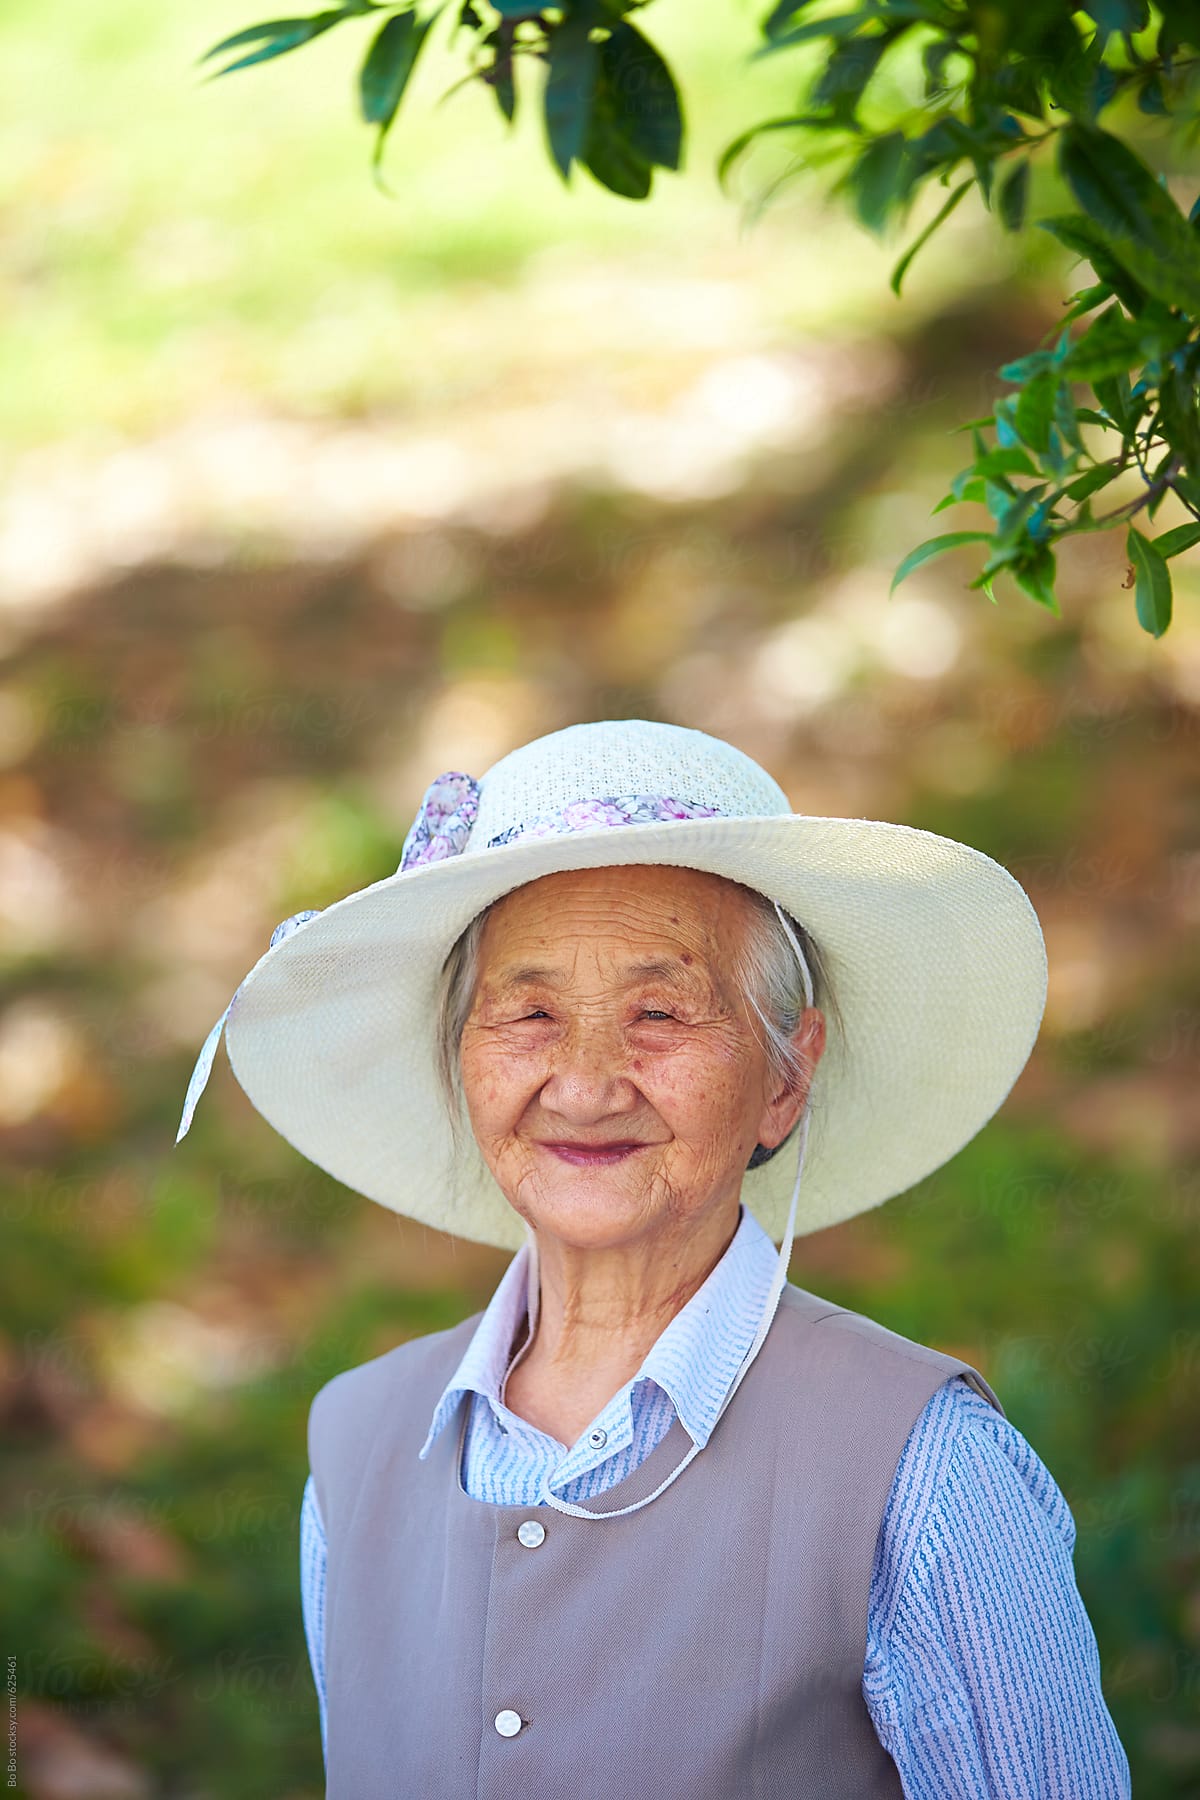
(694, 1360)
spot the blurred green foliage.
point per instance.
(998, 84)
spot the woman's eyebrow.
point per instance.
(534, 975)
(672, 970)
(529, 976)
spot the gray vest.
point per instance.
(708, 1647)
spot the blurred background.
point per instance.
(309, 493)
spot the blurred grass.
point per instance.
(228, 230)
(167, 238)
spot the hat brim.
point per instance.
(934, 952)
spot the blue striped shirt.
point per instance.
(974, 1529)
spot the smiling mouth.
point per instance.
(593, 1156)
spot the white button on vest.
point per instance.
(508, 1722)
(598, 1438)
(531, 1533)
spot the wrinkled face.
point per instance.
(613, 1080)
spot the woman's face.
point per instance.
(613, 1080)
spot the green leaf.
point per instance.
(1007, 435)
(1133, 213)
(1116, 397)
(974, 426)
(646, 107)
(1040, 523)
(876, 179)
(636, 122)
(1066, 418)
(943, 146)
(998, 496)
(570, 84)
(923, 237)
(1013, 197)
(936, 546)
(1110, 346)
(971, 491)
(984, 580)
(1091, 481)
(387, 67)
(503, 85)
(732, 150)
(1181, 537)
(1079, 234)
(1079, 81)
(1153, 581)
(1001, 462)
(779, 16)
(280, 35)
(849, 69)
(1118, 15)
(1087, 300)
(1014, 85)
(608, 154)
(1034, 411)
(1011, 516)
(934, 58)
(1180, 425)
(1026, 367)
(611, 158)
(838, 26)
(1058, 459)
(1036, 577)
(1176, 31)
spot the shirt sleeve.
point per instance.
(312, 1591)
(982, 1673)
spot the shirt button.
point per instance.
(508, 1722)
(598, 1438)
(531, 1533)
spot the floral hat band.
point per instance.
(451, 804)
(441, 830)
(443, 822)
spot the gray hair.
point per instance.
(769, 976)
(765, 969)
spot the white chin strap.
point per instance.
(769, 1307)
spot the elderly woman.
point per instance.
(607, 986)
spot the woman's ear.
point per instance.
(786, 1104)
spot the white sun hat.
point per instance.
(933, 951)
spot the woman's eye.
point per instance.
(654, 1012)
(537, 1013)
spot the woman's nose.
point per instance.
(588, 1078)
